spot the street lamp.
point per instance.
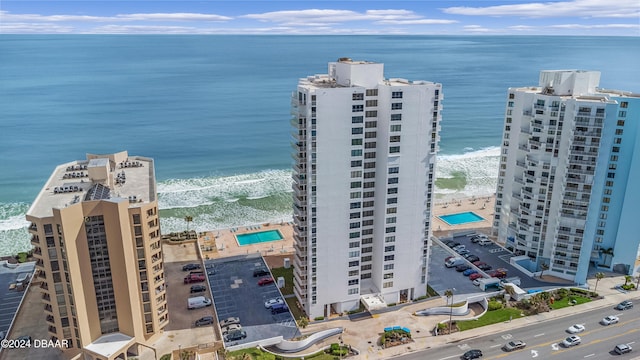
(449, 294)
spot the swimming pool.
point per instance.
(461, 218)
(258, 237)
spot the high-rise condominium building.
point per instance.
(364, 151)
(566, 195)
(96, 234)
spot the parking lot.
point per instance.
(10, 299)
(442, 278)
(178, 294)
(237, 294)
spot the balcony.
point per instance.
(46, 297)
(50, 319)
(33, 227)
(35, 239)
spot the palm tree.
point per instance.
(188, 219)
(544, 268)
(599, 276)
(509, 290)
(627, 279)
(449, 294)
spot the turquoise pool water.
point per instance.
(258, 237)
(461, 218)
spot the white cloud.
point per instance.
(9, 17)
(317, 17)
(476, 29)
(33, 28)
(573, 8)
(522, 28)
(597, 26)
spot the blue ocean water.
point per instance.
(213, 111)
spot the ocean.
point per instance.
(213, 111)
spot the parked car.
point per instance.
(192, 278)
(271, 302)
(479, 237)
(447, 258)
(463, 252)
(625, 305)
(449, 242)
(198, 288)
(475, 276)
(470, 272)
(461, 268)
(472, 258)
(453, 262)
(453, 244)
(476, 282)
(231, 328)
(609, 320)
(230, 320)
(235, 335)
(514, 345)
(571, 341)
(472, 354)
(277, 309)
(265, 281)
(497, 274)
(574, 329)
(205, 320)
(484, 242)
(458, 247)
(467, 255)
(189, 267)
(260, 272)
(622, 349)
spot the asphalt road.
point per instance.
(544, 339)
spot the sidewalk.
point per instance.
(363, 334)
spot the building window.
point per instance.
(357, 131)
(370, 103)
(393, 180)
(396, 106)
(392, 201)
(622, 114)
(353, 254)
(391, 220)
(396, 95)
(390, 229)
(388, 276)
(372, 92)
(357, 108)
(355, 195)
(371, 113)
(356, 142)
(389, 257)
(392, 210)
(389, 248)
(394, 139)
(394, 149)
(354, 225)
(356, 163)
(357, 119)
(396, 117)
(370, 124)
(357, 96)
(353, 291)
(387, 284)
(353, 282)
(395, 128)
(388, 266)
(354, 205)
(624, 104)
(389, 239)
(354, 263)
(357, 152)
(615, 149)
(391, 191)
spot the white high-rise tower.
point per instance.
(364, 151)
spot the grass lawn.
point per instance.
(291, 303)
(257, 354)
(288, 279)
(490, 317)
(559, 304)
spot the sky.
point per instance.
(320, 17)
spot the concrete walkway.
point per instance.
(363, 334)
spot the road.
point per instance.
(544, 339)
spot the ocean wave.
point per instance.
(206, 191)
(480, 169)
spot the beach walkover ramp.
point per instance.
(287, 346)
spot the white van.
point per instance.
(454, 262)
(198, 302)
(484, 242)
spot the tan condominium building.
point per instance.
(96, 233)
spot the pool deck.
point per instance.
(222, 243)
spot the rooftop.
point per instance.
(109, 344)
(100, 177)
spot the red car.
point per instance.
(475, 276)
(191, 278)
(497, 274)
(265, 281)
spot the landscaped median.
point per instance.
(499, 309)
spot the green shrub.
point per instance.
(165, 357)
(442, 326)
(391, 304)
(494, 305)
(318, 318)
(579, 291)
(22, 257)
(628, 287)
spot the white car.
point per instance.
(571, 341)
(611, 319)
(231, 328)
(476, 282)
(271, 302)
(574, 329)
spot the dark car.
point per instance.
(235, 335)
(472, 354)
(625, 305)
(198, 288)
(453, 244)
(190, 267)
(473, 258)
(205, 320)
(484, 267)
(449, 242)
(260, 272)
(461, 268)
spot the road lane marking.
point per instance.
(537, 335)
(496, 345)
(590, 355)
(448, 357)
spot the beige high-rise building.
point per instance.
(96, 234)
